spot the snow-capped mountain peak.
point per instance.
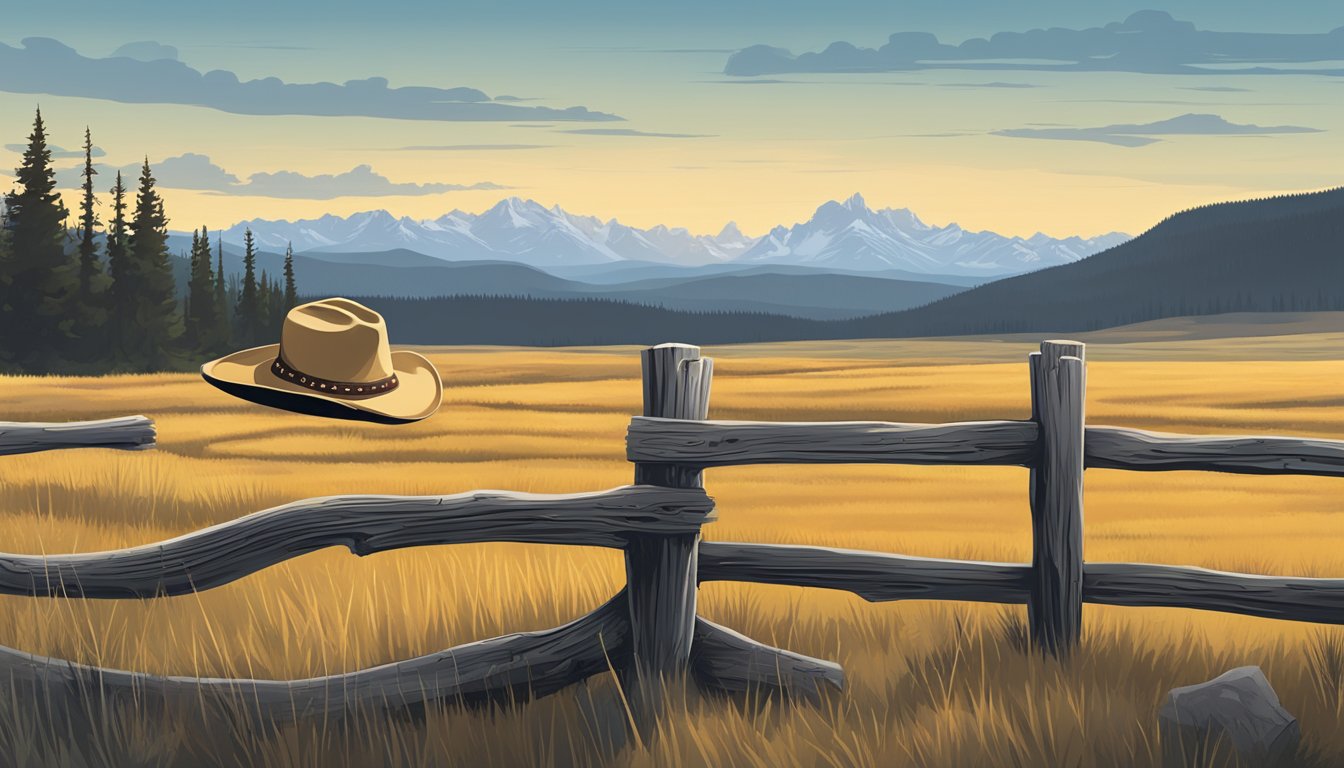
(852, 236)
(842, 235)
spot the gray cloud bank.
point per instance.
(43, 65)
(1140, 135)
(198, 172)
(147, 50)
(1149, 42)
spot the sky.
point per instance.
(666, 114)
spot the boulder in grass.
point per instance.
(1238, 708)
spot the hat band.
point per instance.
(288, 372)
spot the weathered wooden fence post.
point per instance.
(661, 569)
(1058, 391)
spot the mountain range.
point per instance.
(1280, 255)
(846, 236)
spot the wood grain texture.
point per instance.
(731, 443)
(877, 577)
(874, 576)
(513, 667)
(1270, 597)
(660, 568)
(1136, 449)
(131, 433)
(728, 662)
(364, 524)
(1055, 604)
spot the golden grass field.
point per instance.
(928, 683)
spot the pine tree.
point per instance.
(263, 307)
(223, 322)
(201, 322)
(42, 278)
(5, 351)
(190, 330)
(291, 287)
(275, 317)
(157, 321)
(247, 315)
(120, 293)
(90, 313)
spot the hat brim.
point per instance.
(247, 375)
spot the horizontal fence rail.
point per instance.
(364, 524)
(733, 443)
(879, 577)
(1013, 443)
(131, 433)
(874, 576)
(1117, 448)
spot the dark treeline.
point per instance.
(1280, 254)
(516, 320)
(100, 297)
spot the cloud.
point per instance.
(1150, 42)
(198, 172)
(189, 171)
(759, 81)
(469, 147)
(147, 50)
(1130, 135)
(633, 132)
(57, 153)
(1215, 88)
(43, 65)
(995, 84)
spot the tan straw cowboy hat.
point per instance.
(333, 359)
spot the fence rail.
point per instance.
(650, 632)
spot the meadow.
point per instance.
(928, 684)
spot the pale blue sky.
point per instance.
(1015, 151)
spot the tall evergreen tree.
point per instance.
(42, 278)
(89, 312)
(121, 292)
(157, 320)
(90, 268)
(247, 316)
(5, 349)
(190, 330)
(263, 307)
(201, 322)
(223, 322)
(291, 287)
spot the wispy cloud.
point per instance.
(43, 65)
(1150, 42)
(633, 132)
(470, 147)
(1215, 88)
(199, 172)
(1140, 135)
(995, 84)
(58, 153)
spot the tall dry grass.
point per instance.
(928, 683)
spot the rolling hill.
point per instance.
(1268, 255)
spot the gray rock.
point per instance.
(1239, 706)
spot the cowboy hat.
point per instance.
(333, 359)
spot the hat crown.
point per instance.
(336, 339)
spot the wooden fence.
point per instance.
(650, 632)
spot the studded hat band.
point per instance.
(288, 372)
